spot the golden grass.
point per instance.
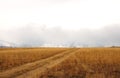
(78, 63)
(15, 57)
(88, 63)
(100, 58)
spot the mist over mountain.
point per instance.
(34, 23)
(6, 44)
(33, 35)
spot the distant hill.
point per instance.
(6, 44)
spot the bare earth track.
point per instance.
(35, 69)
(70, 63)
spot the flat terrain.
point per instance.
(60, 63)
(18, 56)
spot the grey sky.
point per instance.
(39, 22)
(68, 14)
(34, 35)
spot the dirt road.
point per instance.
(35, 69)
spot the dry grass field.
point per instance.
(60, 63)
(15, 57)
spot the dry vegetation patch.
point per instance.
(15, 57)
(88, 63)
(79, 63)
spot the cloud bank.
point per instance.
(36, 35)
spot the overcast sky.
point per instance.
(24, 19)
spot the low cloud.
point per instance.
(36, 35)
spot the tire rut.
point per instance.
(26, 70)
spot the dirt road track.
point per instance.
(35, 69)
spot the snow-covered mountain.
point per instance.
(4, 44)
